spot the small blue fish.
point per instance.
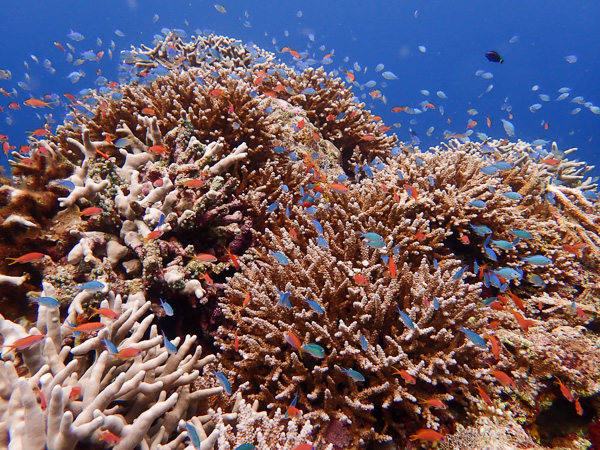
(112, 348)
(368, 172)
(436, 304)
(49, 302)
(161, 220)
(287, 211)
(375, 244)
(94, 286)
(356, 376)
(521, 234)
(67, 184)
(536, 280)
(405, 319)
(458, 275)
(504, 245)
(512, 195)
(280, 257)
(480, 230)
(509, 273)
(318, 226)
(279, 149)
(436, 264)
(538, 260)
(363, 343)
(272, 207)
(171, 349)
(310, 210)
(314, 350)
(321, 242)
(371, 237)
(193, 434)
(284, 299)
(314, 306)
(488, 301)
(224, 382)
(477, 203)
(503, 165)
(494, 280)
(168, 308)
(474, 337)
(309, 91)
(489, 170)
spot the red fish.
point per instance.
(36, 103)
(465, 239)
(26, 342)
(27, 258)
(471, 124)
(523, 322)
(565, 391)
(216, 93)
(233, 259)
(193, 183)
(127, 353)
(89, 327)
(578, 408)
(208, 279)
(304, 447)
(205, 257)
(420, 236)
(340, 188)
(60, 46)
(292, 411)
(106, 312)
(405, 375)
(495, 345)
(247, 299)
(236, 343)
(300, 125)
(397, 109)
(427, 434)
(153, 235)
(350, 76)
(517, 301)
(359, 279)
(484, 396)
(411, 191)
(92, 211)
(503, 378)
(148, 112)
(392, 268)
(110, 438)
(293, 340)
(157, 149)
(75, 393)
(14, 105)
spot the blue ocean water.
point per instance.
(535, 39)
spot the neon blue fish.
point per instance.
(405, 319)
(375, 244)
(94, 286)
(168, 308)
(512, 195)
(314, 306)
(356, 376)
(474, 337)
(171, 349)
(477, 203)
(488, 301)
(272, 207)
(321, 242)
(363, 343)
(318, 226)
(509, 273)
(112, 348)
(280, 257)
(48, 302)
(504, 245)
(458, 275)
(284, 299)
(538, 260)
(480, 230)
(224, 382)
(314, 350)
(371, 237)
(193, 434)
(521, 234)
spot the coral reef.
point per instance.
(353, 288)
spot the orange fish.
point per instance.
(300, 125)
(292, 411)
(427, 434)
(104, 155)
(420, 236)
(91, 211)
(258, 81)
(279, 87)
(430, 106)
(59, 46)
(26, 342)
(205, 257)
(216, 93)
(236, 343)
(27, 258)
(153, 235)
(208, 279)
(489, 122)
(359, 279)
(106, 312)
(89, 327)
(14, 105)
(392, 268)
(578, 408)
(550, 161)
(517, 301)
(405, 375)
(340, 188)
(110, 438)
(484, 396)
(350, 76)
(193, 183)
(523, 322)
(574, 248)
(148, 112)
(376, 118)
(495, 345)
(270, 94)
(127, 353)
(471, 124)
(504, 379)
(546, 126)
(493, 324)
(397, 109)
(75, 393)
(230, 110)
(465, 239)
(330, 117)
(233, 259)
(247, 299)
(411, 191)
(157, 149)
(304, 447)
(367, 137)
(293, 340)
(295, 54)
(36, 103)
(3, 137)
(434, 403)
(564, 390)
(39, 132)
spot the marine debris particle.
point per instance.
(219, 181)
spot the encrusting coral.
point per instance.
(357, 288)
